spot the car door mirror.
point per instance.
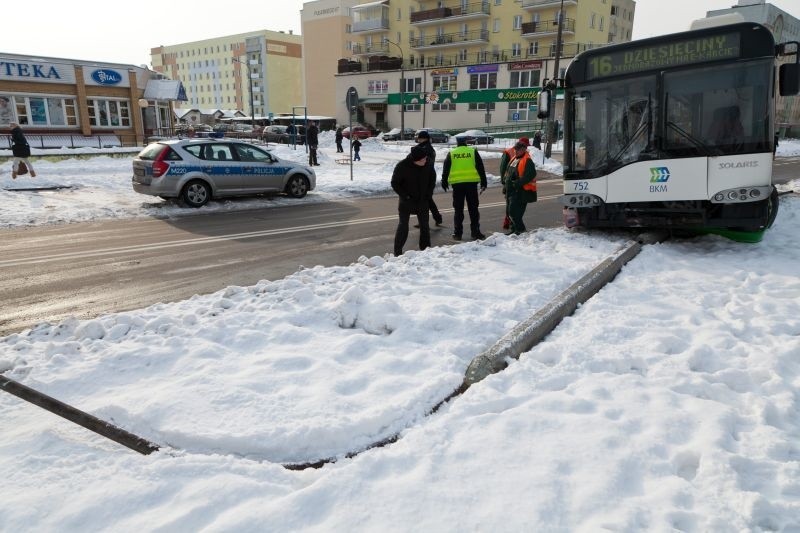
(789, 79)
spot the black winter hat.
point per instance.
(418, 152)
(423, 135)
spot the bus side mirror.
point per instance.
(543, 103)
(789, 79)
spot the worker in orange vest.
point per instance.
(505, 159)
(520, 182)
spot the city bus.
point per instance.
(675, 132)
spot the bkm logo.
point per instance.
(659, 174)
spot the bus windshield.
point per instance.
(613, 122)
(669, 114)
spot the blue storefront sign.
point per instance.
(104, 76)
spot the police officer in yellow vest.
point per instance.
(463, 170)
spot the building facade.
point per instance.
(784, 27)
(461, 63)
(54, 96)
(621, 26)
(258, 72)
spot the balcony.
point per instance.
(547, 27)
(537, 4)
(371, 25)
(459, 12)
(345, 66)
(449, 40)
(364, 49)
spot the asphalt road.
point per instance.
(85, 270)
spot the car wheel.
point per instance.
(196, 193)
(297, 186)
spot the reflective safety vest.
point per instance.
(519, 163)
(462, 166)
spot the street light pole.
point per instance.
(548, 149)
(402, 91)
(250, 79)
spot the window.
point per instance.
(517, 22)
(524, 78)
(591, 20)
(533, 48)
(516, 50)
(496, 25)
(486, 80)
(110, 113)
(601, 23)
(38, 111)
(377, 86)
(520, 109)
(443, 107)
(444, 83)
(482, 106)
(348, 28)
(413, 85)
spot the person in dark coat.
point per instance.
(356, 150)
(537, 140)
(312, 140)
(424, 140)
(20, 149)
(339, 136)
(413, 180)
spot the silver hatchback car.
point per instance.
(196, 170)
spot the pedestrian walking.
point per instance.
(537, 140)
(463, 170)
(312, 139)
(338, 138)
(424, 140)
(21, 151)
(508, 155)
(413, 180)
(520, 182)
(356, 149)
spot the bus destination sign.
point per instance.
(645, 58)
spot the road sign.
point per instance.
(515, 116)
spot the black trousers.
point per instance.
(339, 146)
(466, 192)
(437, 216)
(312, 154)
(404, 212)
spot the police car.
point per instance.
(196, 170)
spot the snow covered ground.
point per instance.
(668, 402)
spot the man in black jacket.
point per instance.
(313, 143)
(413, 180)
(424, 140)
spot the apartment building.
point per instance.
(785, 28)
(451, 63)
(620, 27)
(258, 72)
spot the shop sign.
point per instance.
(104, 76)
(33, 71)
(525, 65)
(482, 68)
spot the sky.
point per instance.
(667, 402)
(127, 36)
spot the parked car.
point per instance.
(278, 134)
(475, 137)
(359, 132)
(197, 170)
(437, 136)
(394, 134)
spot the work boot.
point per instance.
(478, 236)
(456, 236)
